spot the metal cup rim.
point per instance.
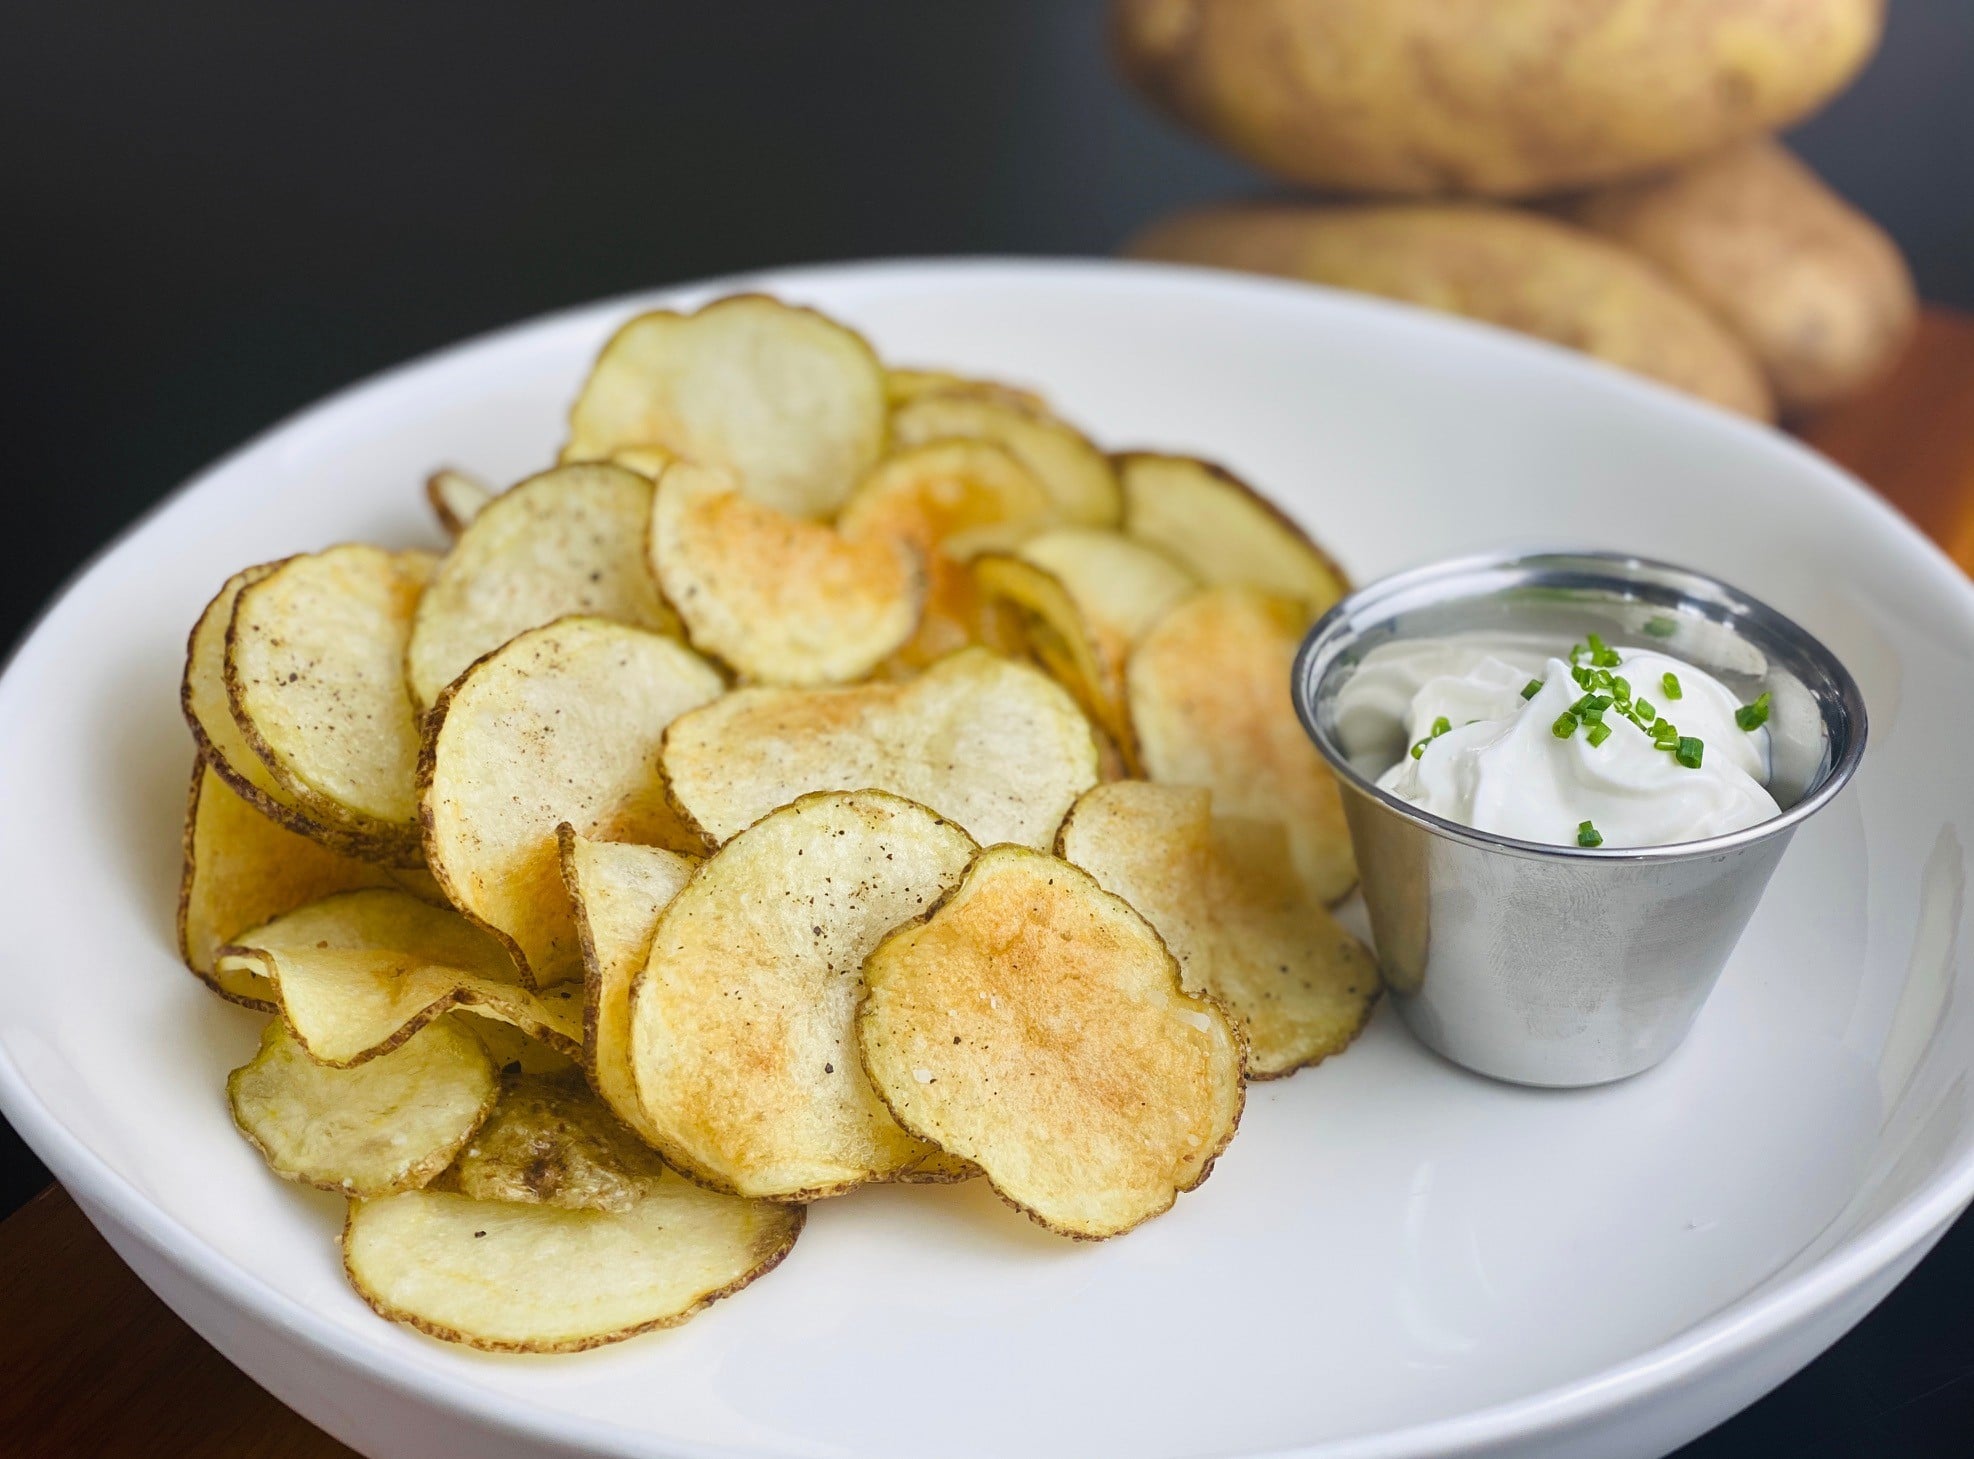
(1619, 566)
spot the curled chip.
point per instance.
(551, 1143)
(647, 461)
(315, 675)
(993, 746)
(778, 599)
(791, 402)
(561, 724)
(515, 1050)
(1223, 530)
(618, 892)
(904, 385)
(1224, 895)
(567, 541)
(391, 1124)
(946, 502)
(1209, 693)
(241, 869)
(1076, 475)
(522, 1277)
(741, 1022)
(358, 973)
(457, 497)
(1035, 1025)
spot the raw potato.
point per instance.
(1209, 692)
(358, 973)
(562, 724)
(315, 675)
(742, 1021)
(521, 1277)
(1224, 896)
(241, 869)
(1817, 290)
(946, 502)
(549, 1142)
(618, 892)
(788, 400)
(388, 1125)
(457, 497)
(993, 746)
(1034, 1025)
(1073, 472)
(567, 541)
(778, 599)
(1224, 531)
(1506, 99)
(1520, 270)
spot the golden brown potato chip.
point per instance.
(1076, 475)
(1209, 693)
(391, 1124)
(1224, 531)
(457, 497)
(1035, 1025)
(522, 1277)
(515, 1050)
(788, 400)
(241, 869)
(567, 541)
(993, 746)
(741, 1037)
(904, 385)
(358, 973)
(778, 599)
(938, 1168)
(315, 675)
(562, 724)
(947, 502)
(550, 1142)
(618, 892)
(1224, 895)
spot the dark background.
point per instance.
(212, 213)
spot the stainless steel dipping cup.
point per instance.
(1561, 965)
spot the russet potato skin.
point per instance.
(1506, 266)
(1495, 98)
(1814, 288)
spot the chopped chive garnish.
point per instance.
(1420, 748)
(1689, 752)
(1752, 717)
(1529, 690)
(1565, 725)
(1441, 726)
(1597, 733)
(1584, 678)
(1602, 654)
(1621, 687)
(1661, 627)
(1670, 683)
(1588, 835)
(1578, 651)
(1643, 712)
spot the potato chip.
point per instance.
(358, 973)
(778, 599)
(938, 1168)
(1223, 530)
(1077, 476)
(391, 1124)
(647, 461)
(946, 502)
(550, 1142)
(789, 401)
(1224, 896)
(618, 892)
(241, 869)
(515, 1050)
(457, 497)
(1209, 694)
(993, 746)
(562, 724)
(567, 541)
(522, 1277)
(315, 675)
(1035, 1025)
(904, 385)
(741, 1038)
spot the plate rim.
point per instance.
(1737, 1331)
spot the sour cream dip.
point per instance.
(1602, 746)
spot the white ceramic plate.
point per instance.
(1394, 1257)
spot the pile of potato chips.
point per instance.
(827, 774)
